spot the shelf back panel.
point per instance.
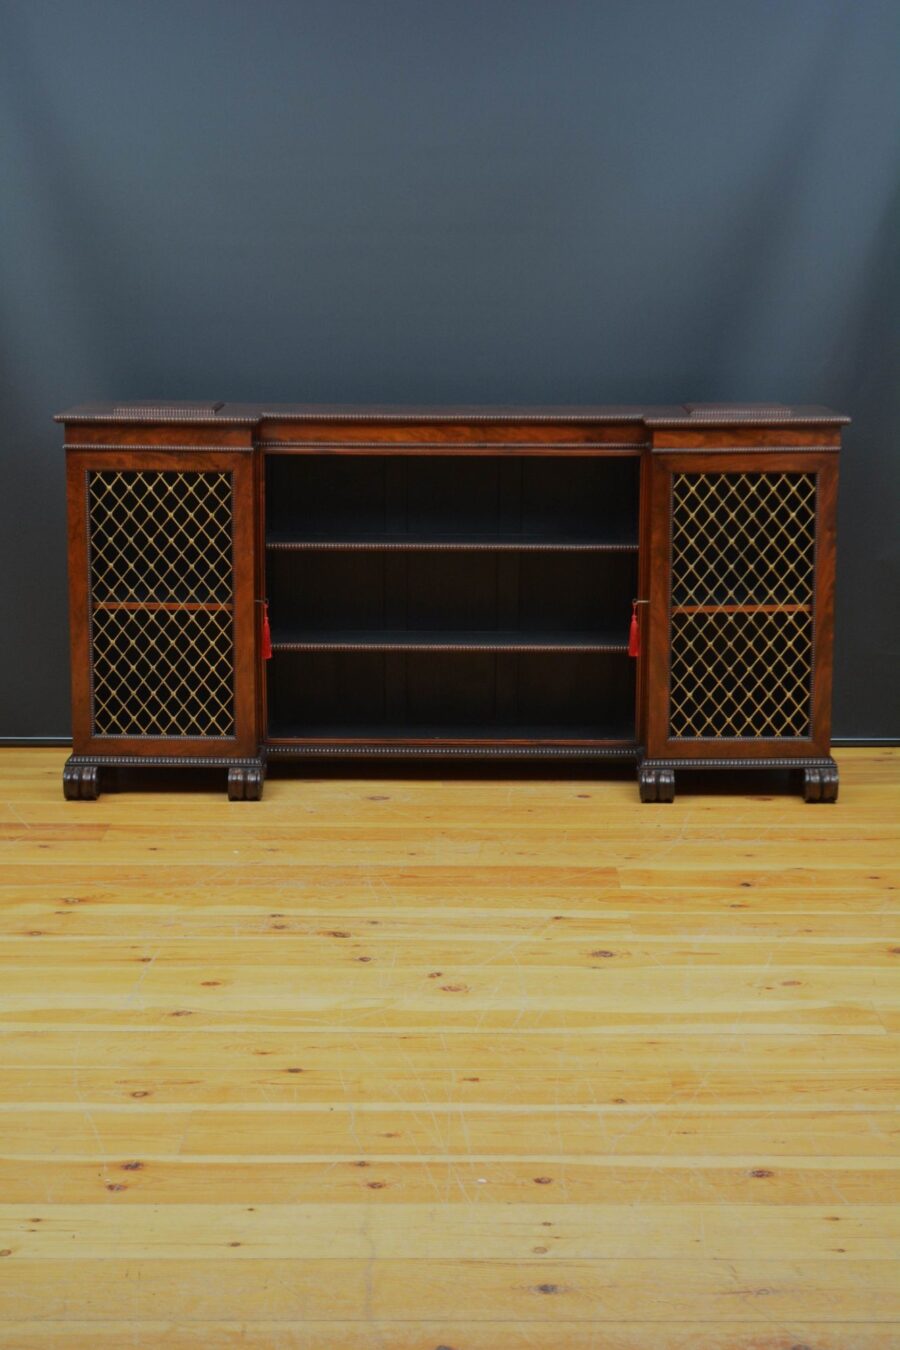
(552, 497)
(314, 693)
(436, 591)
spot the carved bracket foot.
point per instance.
(820, 783)
(245, 782)
(81, 782)
(656, 785)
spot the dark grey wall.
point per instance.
(463, 200)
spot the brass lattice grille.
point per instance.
(163, 672)
(743, 558)
(160, 536)
(744, 674)
(161, 603)
(743, 538)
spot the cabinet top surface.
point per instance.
(674, 415)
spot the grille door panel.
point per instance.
(740, 575)
(741, 619)
(162, 596)
(162, 600)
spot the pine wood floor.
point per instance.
(481, 1065)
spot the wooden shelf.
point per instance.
(515, 543)
(377, 733)
(405, 640)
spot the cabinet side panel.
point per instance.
(162, 550)
(246, 548)
(657, 626)
(79, 599)
(823, 630)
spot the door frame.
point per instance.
(824, 464)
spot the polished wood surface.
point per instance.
(659, 742)
(79, 464)
(474, 707)
(457, 1063)
(674, 415)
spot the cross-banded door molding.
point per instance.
(745, 545)
(166, 659)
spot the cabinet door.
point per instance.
(741, 604)
(161, 584)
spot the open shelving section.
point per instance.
(443, 601)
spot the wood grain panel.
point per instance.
(448, 1065)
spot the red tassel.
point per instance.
(266, 633)
(634, 633)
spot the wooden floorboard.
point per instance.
(449, 1065)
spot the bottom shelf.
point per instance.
(475, 696)
(525, 733)
(623, 752)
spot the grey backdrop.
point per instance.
(471, 200)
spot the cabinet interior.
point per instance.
(460, 597)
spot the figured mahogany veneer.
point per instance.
(451, 583)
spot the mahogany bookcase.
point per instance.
(645, 584)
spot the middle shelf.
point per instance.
(493, 640)
(546, 600)
(446, 543)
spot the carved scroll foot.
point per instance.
(81, 782)
(656, 785)
(820, 783)
(245, 783)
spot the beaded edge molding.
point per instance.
(144, 449)
(503, 647)
(165, 761)
(627, 752)
(801, 762)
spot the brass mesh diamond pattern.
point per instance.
(743, 538)
(162, 603)
(743, 558)
(160, 536)
(163, 672)
(740, 675)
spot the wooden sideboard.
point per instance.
(250, 583)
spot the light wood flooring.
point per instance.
(474, 1064)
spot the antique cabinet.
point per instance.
(252, 583)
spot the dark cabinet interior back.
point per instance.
(435, 590)
(435, 693)
(355, 496)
